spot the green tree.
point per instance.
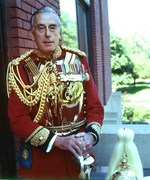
(138, 48)
(122, 66)
(69, 31)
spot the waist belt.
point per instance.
(68, 128)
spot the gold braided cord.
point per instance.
(35, 93)
(48, 80)
(20, 81)
(24, 97)
(29, 96)
(43, 99)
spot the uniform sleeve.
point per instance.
(94, 108)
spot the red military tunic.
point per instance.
(57, 163)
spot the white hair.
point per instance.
(44, 10)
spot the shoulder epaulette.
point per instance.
(20, 58)
(76, 51)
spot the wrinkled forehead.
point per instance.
(46, 18)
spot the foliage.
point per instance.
(121, 79)
(69, 31)
(135, 103)
(122, 66)
(128, 113)
(141, 113)
(138, 48)
(128, 57)
(136, 114)
(131, 62)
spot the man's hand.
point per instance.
(71, 143)
(79, 144)
(88, 141)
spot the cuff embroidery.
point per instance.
(39, 136)
(94, 128)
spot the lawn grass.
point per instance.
(136, 99)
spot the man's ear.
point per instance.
(60, 35)
(32, 35)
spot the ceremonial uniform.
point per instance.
(52, 96)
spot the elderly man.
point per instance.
(53, 105)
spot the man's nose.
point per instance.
(48, 32)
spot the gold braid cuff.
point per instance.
(95, 129)
(38, 137)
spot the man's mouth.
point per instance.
(48, 42)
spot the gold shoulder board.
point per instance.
(16, 61)
(76, 51)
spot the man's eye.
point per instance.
(53, 27)
(41, 27)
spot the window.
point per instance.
(69, 23)
(76, 31)
(130, 42)
(82, 11)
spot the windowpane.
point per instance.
(69, 23)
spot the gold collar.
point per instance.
(55, 55)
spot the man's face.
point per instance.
(46, 32)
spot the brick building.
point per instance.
(15, 39)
